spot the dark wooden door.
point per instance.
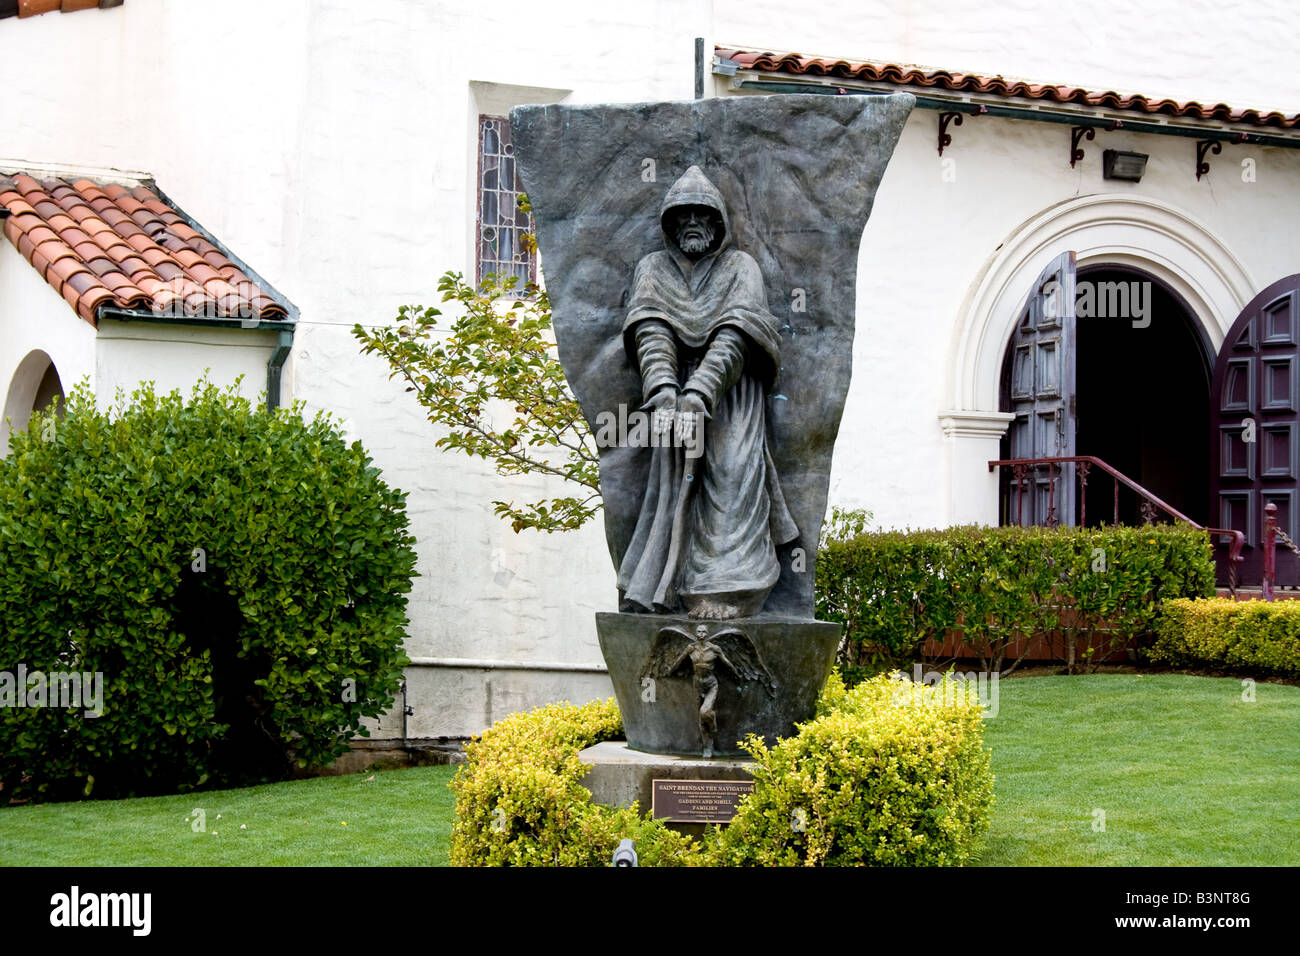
(1255, 414)
(1041, 395)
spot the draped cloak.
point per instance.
(735, 514)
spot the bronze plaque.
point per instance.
(697, 801)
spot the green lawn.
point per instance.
(400, 818)
(1185, 770)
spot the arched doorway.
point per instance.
(49, 392)
(1143, 393)
(1108, 230)
(35, 386)
(1109, 361)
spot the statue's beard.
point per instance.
(697, 243)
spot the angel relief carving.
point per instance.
(675, 648)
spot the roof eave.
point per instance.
(1012, 107)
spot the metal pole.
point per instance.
(1019, 471)
(1083, 493)
(1051, 496)
(699, 68)
(1270, 555)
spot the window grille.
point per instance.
(502, 225)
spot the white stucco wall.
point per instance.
(177, 356)
(1194, 50)
(329, 144)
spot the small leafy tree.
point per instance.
(845, 524)
(497, 356)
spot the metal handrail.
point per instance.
(1086, 462)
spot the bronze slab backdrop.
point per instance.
(798, 174)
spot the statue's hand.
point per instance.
(691, 412)
(663, 404)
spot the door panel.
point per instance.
(1255, 428)
(1277, 448)
(1041, 394)
(1279, 374)
(1239, 385)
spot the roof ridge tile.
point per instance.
(902, 74)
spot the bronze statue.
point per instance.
(662, 321)
(699, 332)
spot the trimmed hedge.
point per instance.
(893, 590)
(1227, 633)
(889, 773)
(237, 575)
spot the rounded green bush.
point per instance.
(237, 576)
(889, 773)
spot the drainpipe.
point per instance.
(275, 365)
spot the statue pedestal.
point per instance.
(677, 678)
(619, 775)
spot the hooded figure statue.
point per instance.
(699, 332)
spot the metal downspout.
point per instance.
(274, 366)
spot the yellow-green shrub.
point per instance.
(1247, 634)
(519, 801)
(889, 773)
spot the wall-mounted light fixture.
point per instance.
(1119, 165)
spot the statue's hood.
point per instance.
(694, 189)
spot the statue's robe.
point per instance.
(704, 325)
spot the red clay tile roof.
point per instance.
(106, 245)
(794, 63)
(32, 8)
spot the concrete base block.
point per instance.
(620, 775)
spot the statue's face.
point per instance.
(695, 227)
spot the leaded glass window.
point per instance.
(501, 223)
